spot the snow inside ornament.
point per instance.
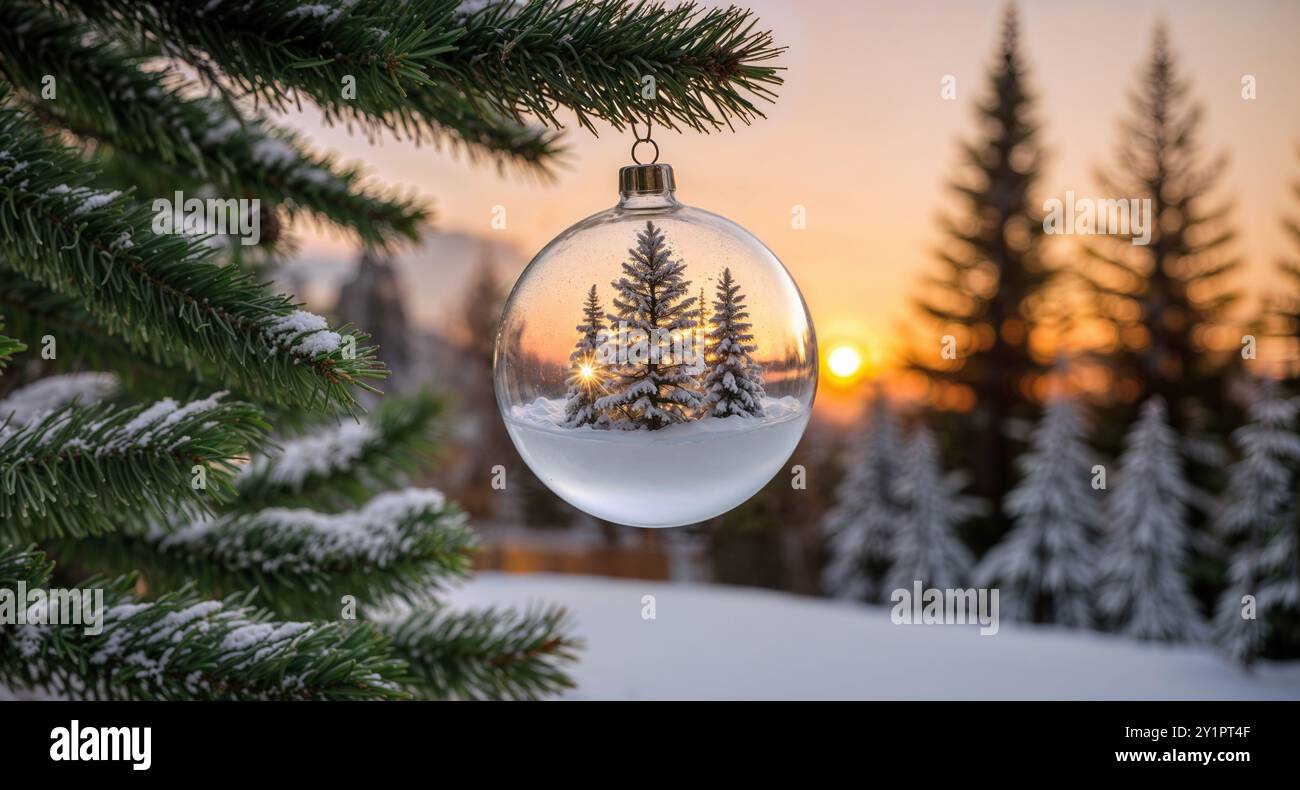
(655, 364)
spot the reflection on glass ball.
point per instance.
(655, 364)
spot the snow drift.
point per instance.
(733, 643)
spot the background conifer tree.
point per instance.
(585, 370)
(651, 302)
(1160, 300)
(703, 325)
(861, 526)
(1258, 520)
(1284, 306)
(1144, 587)
(733, 384)
(1046, 566)
(986, 292)
(926, 547)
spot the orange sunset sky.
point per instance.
(862, 138)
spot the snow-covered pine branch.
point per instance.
(161, 292)
(84, 470)
(345, 464)
(860, 527)
(585, 369)
(733, 384)
(183, 647)
(1046, 566)
(403, 543)
(651, 301)
(163, 121)
(485, 654)
(1258, 518)
(1144, 586)
(34, 311)
(926, 547)
(36, 400)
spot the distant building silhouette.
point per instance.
(373, 299)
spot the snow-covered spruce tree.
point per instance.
(1258, 520)
(860, 527)
(733, 383)
(585, 369)
(1046, 566)
(700, 336)
(1144, 588)
(653, 387)
(163, 465)
(926, 547)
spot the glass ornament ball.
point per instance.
(623, 396)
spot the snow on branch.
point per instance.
(79, 470)
(183, 647)
(344, 464)
(326, 453)
(485, 654)
(36, 311)
(34, 401)
(161, 290)
(300, 541)
(404, 543)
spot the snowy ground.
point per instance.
(681, 474)
(732, 643)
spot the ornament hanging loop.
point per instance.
(647, 139)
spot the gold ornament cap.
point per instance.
(652, 179)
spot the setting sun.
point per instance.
(844, 362)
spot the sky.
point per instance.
(863, 140)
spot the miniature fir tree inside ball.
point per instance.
(655, 363)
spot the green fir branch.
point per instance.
(428, 64)
(486, 654)
(403, 544)
(104, 93)
(163, 290)
(311, 48)
(81, 344)
(345, 464)
(81, 470)
(8, 347)
(147, 174)
(181, 647)
(358, 61)
(82, 263)
(710, 66)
